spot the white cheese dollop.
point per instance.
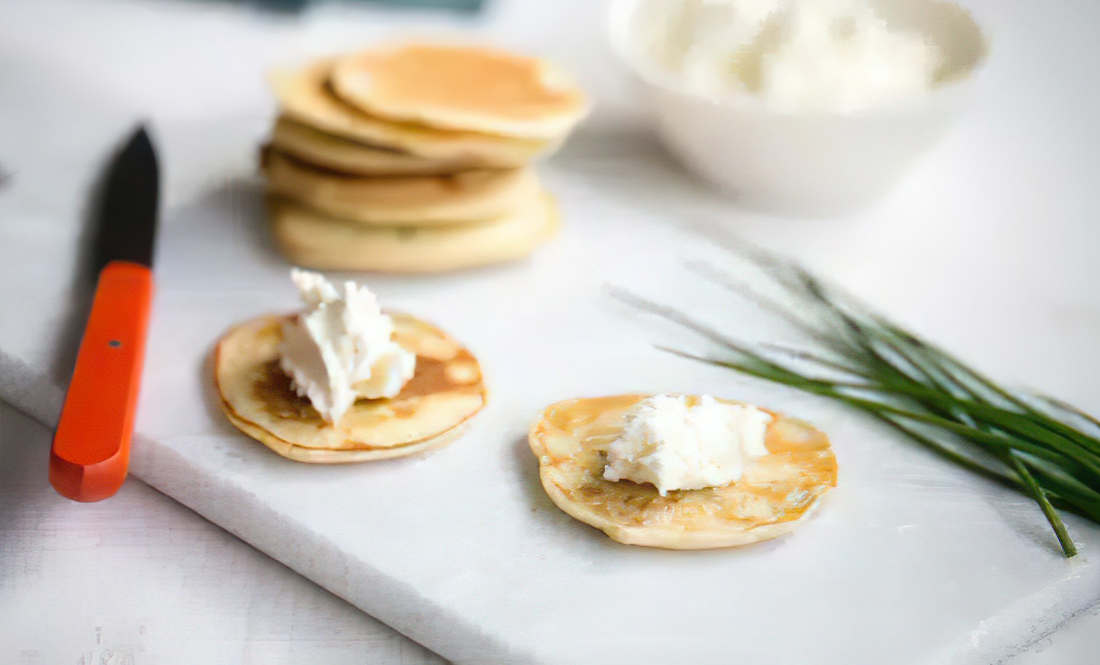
(676, 445)
(341, 348)
(796, 55)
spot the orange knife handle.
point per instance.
(91, 447)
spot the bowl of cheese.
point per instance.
(800, 106)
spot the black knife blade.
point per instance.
(127, 216)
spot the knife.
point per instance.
(91, 447)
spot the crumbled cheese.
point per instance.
(342, 347)
(796, 55)
(673, 444)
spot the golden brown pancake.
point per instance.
(312, 240)
(352, 157)
(461, 88)
(304, 95)
(419, 200)
(774, 495)
(256, 395)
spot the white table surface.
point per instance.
(141, 579)
(160, 584)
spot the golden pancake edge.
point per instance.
(413, 200)
(303, 95)
(311, 239)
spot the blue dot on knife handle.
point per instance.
(115, 343)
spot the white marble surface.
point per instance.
(1000, 213)
(141, 579)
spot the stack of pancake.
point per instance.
(415, 158)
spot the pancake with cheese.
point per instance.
(430, 411)
(420, 200)
(304, 95)
(461, 88)
(775, 493)
(310, 239)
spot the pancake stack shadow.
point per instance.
(415, 158)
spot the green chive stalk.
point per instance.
(1033, 444)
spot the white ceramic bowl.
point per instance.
(813, 162)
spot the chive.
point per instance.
(902, 381)
(1068, 548)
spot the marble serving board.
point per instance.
(989, 246)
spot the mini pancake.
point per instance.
(310, 239)
(444, 393)
(355, 158)
(418, 200)
(774, 495)
(461, 88)
(304, 95)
